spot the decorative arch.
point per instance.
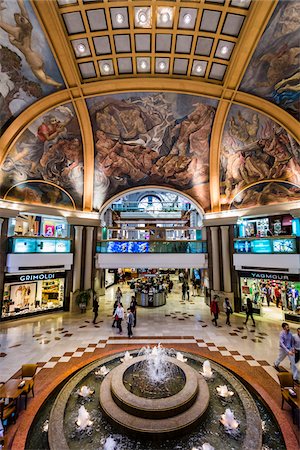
(116, 197)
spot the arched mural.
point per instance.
(40, 193)
(273, 72)
(255, 148)
(50, 150)
(28, 70)
(266, 193)
(151, 139)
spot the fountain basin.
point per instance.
(62, 418)
(159, 416)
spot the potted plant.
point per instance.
(82, 298)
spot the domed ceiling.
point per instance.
(98, 97)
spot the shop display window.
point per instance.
(279, 293)
(31, 225)
(23, 298)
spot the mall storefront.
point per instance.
(273, 294)
(31, 293)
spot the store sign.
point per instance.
(270, 276)
(35, 277)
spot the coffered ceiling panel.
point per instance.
(153, 37)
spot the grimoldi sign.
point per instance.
(34, 277)
(270, 276)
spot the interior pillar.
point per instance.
(88, 258)
(215, 258)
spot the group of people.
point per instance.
(119, 313)
(215, 309)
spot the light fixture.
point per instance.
(81, 48)
(187, 18)
(165, 17)
(224, 50)
(119, 18)
(162, 66)
(142, 17)
(143, 64)
(198, 68)
(106, 68)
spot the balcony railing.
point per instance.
(272, 244)
(151, 247)
(34, 244)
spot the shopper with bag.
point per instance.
(119, 316)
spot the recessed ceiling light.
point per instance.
(106, 68)
(198, 68)
(142, 17)
(162, 65)
(165, 17)
(187, 18)
(143, 64)
(81, 48)
(224, 50)
(120, 18)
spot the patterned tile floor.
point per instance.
(54, 338)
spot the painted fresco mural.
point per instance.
(266, 193)
(28, 70)
(49, 151)
(254, 149)
(40, 193)
(274, 70)
(151, 139)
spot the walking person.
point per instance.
(183, 288)
(296, 343)
(228, 310)
(130, 319)
(118, 294)
(187, 289)
(114, 313)
(119, 316)
(214, 309)
(132, 306)
(249, 311)
(194, 288)
(95, 307)
(286, 349)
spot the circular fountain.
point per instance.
(155, 395)
(144, 414)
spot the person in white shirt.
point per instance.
(119, 316)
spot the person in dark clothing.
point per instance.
(130, 320)
(249, 311)
(214, 309)
(133, 305)
(227, 310)
(95, 307)
(183, 288)
(187, 288)
(114, 313)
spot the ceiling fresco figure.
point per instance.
(266, 194)
(255, 148)
(144, 139)
(25, 75)
(273, 72)
(50, 149)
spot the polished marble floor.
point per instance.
(58, 337)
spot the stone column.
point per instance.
(215, 258)
(88, 258)
(226, 258)
(77, 257)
